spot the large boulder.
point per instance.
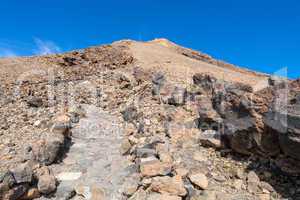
(23, 173)
(208, 117)
(199, 179)
(154, 167)
(242, 126)
(240, 134)
(287, 126)
(46, 150)
(236, 112)
(46, 181)
(283, 118)
(231, 111)
(169, 185)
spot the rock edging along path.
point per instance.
(93, 167)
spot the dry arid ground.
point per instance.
(146, 121)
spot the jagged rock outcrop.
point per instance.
(283, 120)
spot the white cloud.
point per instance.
(37, 47)
(45, 47)
(7, 53)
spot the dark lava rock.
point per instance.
(47, 150)
(69, 61)
(238, 87)
(8, 179)
(276, 80)
(208, 117)
(130, 113)
(33, 101)
(287, 126)
(145, 152)
(240, 134)
(158, 81)
(23, 173)
(16, 192)
(178, 96)
(205, 81)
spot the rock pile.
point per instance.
(33, 178)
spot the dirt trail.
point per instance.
(93, 163)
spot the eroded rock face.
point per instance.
(240, 133)
(285, 123)
(206, 82)
(238, 113)
(208, 116)
(225, 108)
(282, 120)
(247, 121)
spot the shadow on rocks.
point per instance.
(270, 178)
(62, 154)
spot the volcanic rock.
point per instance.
(46, 150)
(172, 186)
(46, 181)
(16, 193)
(23, 173)
(199, 180)
(155, 168)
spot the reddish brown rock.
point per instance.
(169, 185)
(155, 168)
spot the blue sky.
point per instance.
(262, 35)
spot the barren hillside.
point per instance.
(145, 121)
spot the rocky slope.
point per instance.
(146, 120)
